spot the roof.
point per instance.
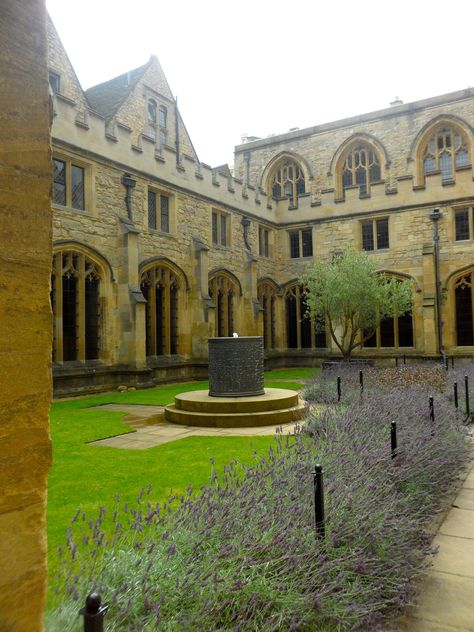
(106, 98)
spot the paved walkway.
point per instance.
(446, 594)
(151, 429)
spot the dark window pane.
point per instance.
(387, 338)
(306, 325)
(291, 324)
(69, 318)
(429, 164)
(307, 238)
(382, 233)
(294, 245)
(464, 329)
(214, 228)
(462, 158)
(374, 173)
(462, 224)
(54, 82)
(347, 179)
(59, 182)
(162, 138)
(367, 235)
(372, 341)
(92, 318)
(223, 230)
(446, 166)
(276, 191)
(160, 321)
(220, 315)
(165, 213)
(230, 314)
(266, 249)
(405, 331)
(151, 209)
(300, 188)
(77, 184)
(145, 288)
(174, 320)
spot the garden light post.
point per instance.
(435, 216)
(319, 501)
(94, 613)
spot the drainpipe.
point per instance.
(129, 184)
(435, 216)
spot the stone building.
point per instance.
(154, 251)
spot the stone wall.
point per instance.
(25, 313)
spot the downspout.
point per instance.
(176, 119)
(435, 216)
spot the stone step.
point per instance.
(235, 420)
(274, 399)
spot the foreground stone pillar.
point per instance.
(25, 312)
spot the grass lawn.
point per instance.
(87, 477)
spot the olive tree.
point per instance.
(349, 297)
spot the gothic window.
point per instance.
(288, 181)
(222, 291)
(301, 243)
(263, 241)
(267, 296)
(160, 287)
(220, 228)
(163, 116)
(444, 152)
(464, 310)
(300, 329)
(375, 234)
(55, 82)
(361, 168)
(393, 332)
(151, 117)
(69, 184)
(76, 302)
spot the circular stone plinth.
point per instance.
(197, 408)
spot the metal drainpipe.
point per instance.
(435, 216)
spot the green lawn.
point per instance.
(86, 477)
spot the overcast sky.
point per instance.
(262, 67)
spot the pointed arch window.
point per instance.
(393, 333)
(463, 289)
(223, 291)
(300, 329)
(445, 151)
(287, 181)
(267, 297)
(76, 289)
(360, 168)
(160, 286)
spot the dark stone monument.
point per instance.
(236, 366)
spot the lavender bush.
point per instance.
(241, 554)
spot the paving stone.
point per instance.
(465, 499)
(455, 555)
(446, 600)
(459, 522)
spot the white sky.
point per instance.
(263, 67)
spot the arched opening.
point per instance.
(301, 332)
(223, 290)
(286, 181)
(76, 287)
(160, 285)
(443, 150)
(267, 295)
(464, 310)
(358, 166)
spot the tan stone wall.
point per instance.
(25, 314)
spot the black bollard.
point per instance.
(456, 402)
(319, 501)
(404, 359)
(393, 439)
(396, 361)
(466, 387)
(446, 363)
(361, 382)
(452, 362)
(338, 388)
(94, 613)
(432, 415)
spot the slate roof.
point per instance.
(106, 98)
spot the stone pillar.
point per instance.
(202, 308)
(429, 302)
(25, 312)
(131, 302)
(250, 306)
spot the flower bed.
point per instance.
(242, 554)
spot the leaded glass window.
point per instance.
(361, 168)
(446, 150)
(301, 332)
(288, 181)
(222, 290)
(160, 286)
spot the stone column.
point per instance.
(430, 346)
(25, 312)
(201, 306)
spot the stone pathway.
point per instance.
(446, 594)
(151, 429)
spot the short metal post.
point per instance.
(452, 362)
(456, 401)
(338, 388)
(432, 415)
(393, 439)
(466, 387)
(446, 363)
(404, 359)
(94, 613)
(319, 501)
(396, 361)
(361, 382)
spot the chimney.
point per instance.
(395, 102)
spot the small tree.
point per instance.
(348, 296)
